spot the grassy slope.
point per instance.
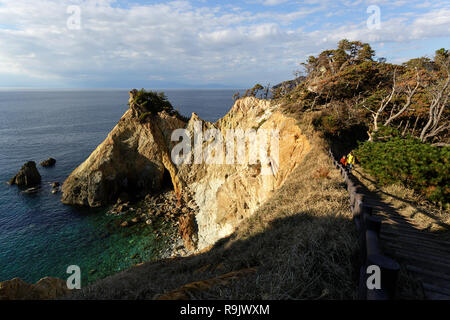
(302, 244)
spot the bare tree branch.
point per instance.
(438, 104)
(410, 94)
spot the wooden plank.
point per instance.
(431, 295)
(395, 229)
(431, 287)
(403, 236)
(427, 272)
(421, 262)
(417, 247)
(423, 255)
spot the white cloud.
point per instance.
(272, 2)
(178, 42)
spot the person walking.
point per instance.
(350, 161)
(343, 161)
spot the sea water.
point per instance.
(39, 236)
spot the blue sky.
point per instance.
(199, 44)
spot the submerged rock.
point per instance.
(28, 176)
(135, 220)
(31, 190)
(50, 162)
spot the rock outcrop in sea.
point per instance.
(50, 162)
(136, 158)
(28, 176)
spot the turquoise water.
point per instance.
(39, 236)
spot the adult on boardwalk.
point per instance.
(350, 161)
(343, 160)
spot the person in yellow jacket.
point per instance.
(350, 161)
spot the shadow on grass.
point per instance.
(303, 256)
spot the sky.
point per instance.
(200, 44)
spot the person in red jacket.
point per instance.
(343, 161)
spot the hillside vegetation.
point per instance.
(398, 115)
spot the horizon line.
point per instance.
(129, 88)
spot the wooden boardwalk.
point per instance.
(421, 252)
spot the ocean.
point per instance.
(39, 236)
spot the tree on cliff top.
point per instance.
(150, 101)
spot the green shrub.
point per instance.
(420, 166)
(151, 102)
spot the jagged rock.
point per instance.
(121, 208)
(224, 193)
(148, 198)
(187, 231)
(45, 289)
(123, 198)
(55, 187)
(48, 163)
(132, 158)
(28, 175)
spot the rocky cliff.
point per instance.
(135, 155)
(132, 159)
(228, 193)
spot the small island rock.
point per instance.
(28, 176)
(50, 162)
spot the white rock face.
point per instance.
(227, 194)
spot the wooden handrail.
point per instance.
(368, 227)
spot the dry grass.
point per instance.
(302, 244)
